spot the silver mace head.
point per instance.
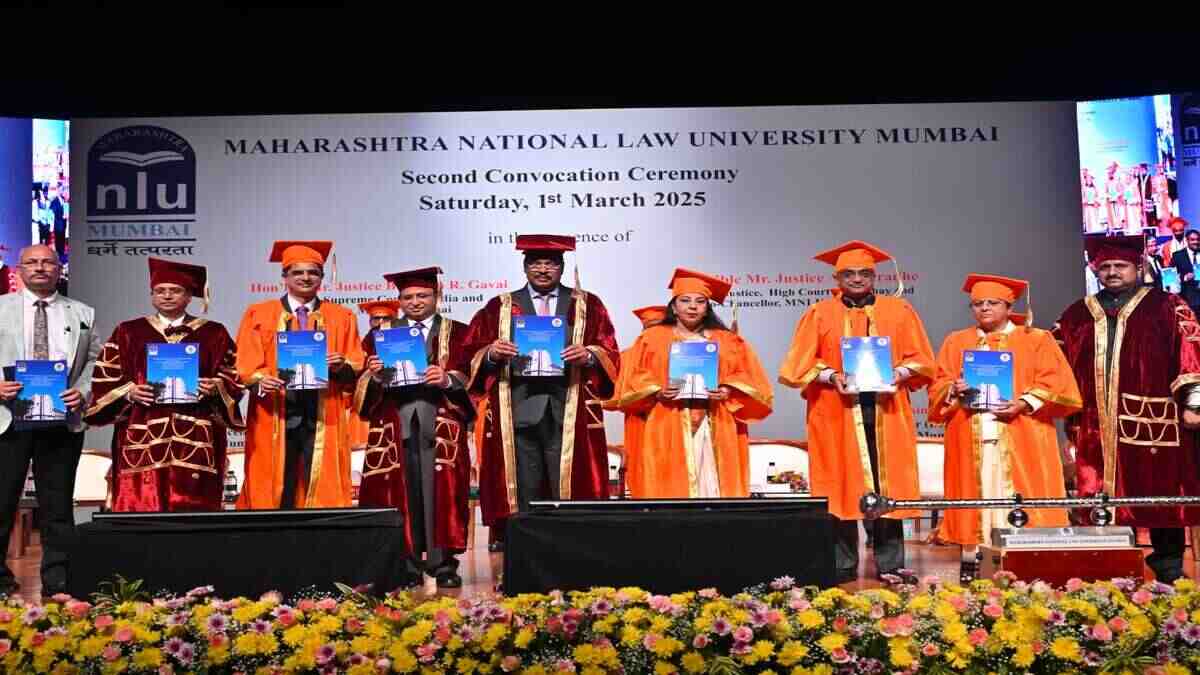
(873, 505)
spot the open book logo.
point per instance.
(148, 159)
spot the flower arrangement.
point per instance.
(795, 479)
(991, 626)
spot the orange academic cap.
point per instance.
(981, 286)
(389, 309)
(425, 277)
(192, 277)
(690, 281)
(548, 243)
(853, 254)
(651, 316)
(292, 252)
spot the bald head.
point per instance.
(40, 269)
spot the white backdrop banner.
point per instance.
(746, 193)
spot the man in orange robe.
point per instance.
(635, 423)
(695, 447)
(298, 442)
(860, 442)
(1012, 448)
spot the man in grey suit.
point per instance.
(40, 324)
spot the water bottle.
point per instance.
(771, 472)
(230, 494)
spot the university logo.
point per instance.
(1189, 120)
(141, 172)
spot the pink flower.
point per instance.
(1181, 615)
(1141, 597)
(173, 646)
(354, 625)
(5, 616)
(324, 654)
(774, 617)
(217, 623)
(930, 649)
(60, 598)
(166, 669)
(217, 640)
(798, 603)
(721, 626)
(186, 653)
(5, 646)
(649, 641)
(958, 602)
(103, 621)
(839, 624)
(1118, 624)
(327, 604)
(272, 597)
(758, 618)
(427, 652)
(33, 614)
(308, 605)
(699, 642)
(743, 634)
(994, 611)
(876, 612)
(840, 655)
(978, 636)
(1074, 584)
(124, 634)
(383, 665)
(783, 583)
(510, 663)
(660, 603)
(931, 580)
(357, 659)
(564, 666)
(261, 627)
(111, 653)
(601, 607)
(707, 593)
(38, 639)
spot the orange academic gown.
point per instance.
(635, 426)
(837, 451)
(666, 462)
(328, 484)
(1028, 445)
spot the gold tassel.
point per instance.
(1029, 307)
(734, 324)
(206, 300)
(577, 285)
(332, 272)
(899, 279)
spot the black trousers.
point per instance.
(1167, 559)
(55, 456)
(419, 467)
(298, 443)
(887, 534)
(539, 452)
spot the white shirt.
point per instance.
(537, 300)
(58, 333)
(171, 323)
(989, 425)
(296, 303)
(426, 326)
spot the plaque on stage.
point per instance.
(989, 377)
(540, 341)
(867, 363)
(693, 368)
(173, 370)
(1063, 537)
(402, 351)
(301, 358)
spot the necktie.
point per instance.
(41, 332)
(424, 331)
(302, 317)
(543, 305)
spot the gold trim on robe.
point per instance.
(571, 408)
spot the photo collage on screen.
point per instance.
(35, 194)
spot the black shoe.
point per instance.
(496, 546)
(968, 571)
(846, 576)
(449, 580)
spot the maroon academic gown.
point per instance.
(166, 457)
(384, 482)
(584, 463)
(1131, 441)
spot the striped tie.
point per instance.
(41, 333)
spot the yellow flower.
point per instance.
(296, 635)
(901, 658)
(810, 618)
(605, 626)
(1175, 668)
(147, 658)
(249, 612)
(955, 631)
(91, 647)
(666, 646)
(660, 624)
(524, 637)
(920, 604)
(761, 651)
(536, 669)
(832, 641)
(417, 633)
(1024, 656)
(664, 668)
(791, 653)
(1141, 626)
(1184, 584)
(630, 636)
(218, 655)
(693, 662)
(403, 660)
(1065, 648)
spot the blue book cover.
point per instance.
(540, 341)
(402, 351)
(693, 368)
(39, 403)
(174, 371)
(1170, 280)
(300, 357)
(867, 363)
(989, 377)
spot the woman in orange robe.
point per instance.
(635, 424)
(694, 447)
(1013, 447)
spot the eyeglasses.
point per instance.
(305, 273)
(851, 274)
(166, 292)
(544, 265)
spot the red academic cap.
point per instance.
(426, 277)
(1129, 248)
(545, 243)
(192, 277)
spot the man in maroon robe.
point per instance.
(416, 453)
(1135, 352)
(167, 456)
(543, 435)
